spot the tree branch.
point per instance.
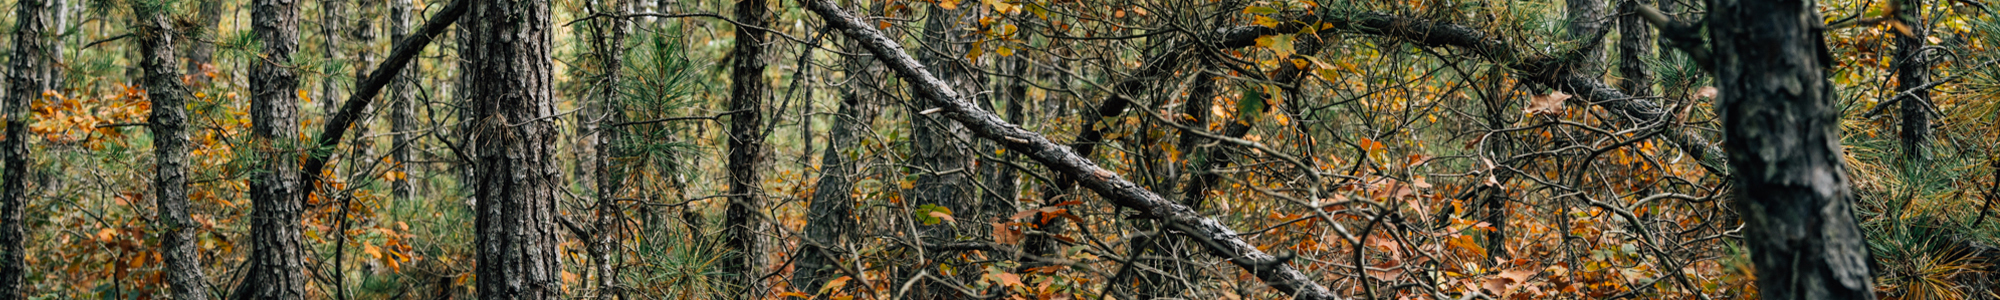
(365, 91)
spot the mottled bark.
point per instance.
(1780, 127)
(513, 146)
(1218, 239)
(938, 146)
(28, 74)
(1635, 44)
(278, 251)
(155, 31)
(1912, 71)
(1586, 28)
(830, 219)
(607, 38)
(744, 219)
(402, 107)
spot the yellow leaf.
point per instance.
(305, 97)
(1264, 21)
(948, 4)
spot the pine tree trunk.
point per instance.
(402, 106)
(278, 253)
(361, 43)
(515, 175)
(830, 219)
(941, 156)
(28, 74)
(1780, 127)
(744, 220)
(182, 269)
(201, 39)
(1586, 28)
(1635, 43)
(1913, 70)
(608, 39)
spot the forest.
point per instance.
(999, 149)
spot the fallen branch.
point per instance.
(1220, 240)
(365, 91)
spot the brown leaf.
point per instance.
(1705, 92)
(1546, 104)
(1006, 233)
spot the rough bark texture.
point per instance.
(830, 219)
(182, 268)
(28, 74)
(939, 147)
(608, 42)
(278, 252)
(515, 172)
(1912, 71)
(744, 219)
(1779, 122)
(1586, 29)
(1635, 44)
(402, 107)
(1218, 239)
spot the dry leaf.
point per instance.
(1705, 92)
(1546, 104)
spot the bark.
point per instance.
(1912, 71)
(278, 253)
(182, 268)
(1586, 22)
(942, 157)
(1218, 239)
(1635, 43)
(402, 106)
(744, 220)
(830, 219)
(1779, 122)
(332, 25)
(361, 42)
(513, 147)
(201, 39)
(608, 39)
(29, 72)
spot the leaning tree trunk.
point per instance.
(1912, 71)
(1779, 121)
(744, 219)
(278, 252)
(182, 268)
(28, 74)
(830, 220)
(515, 172)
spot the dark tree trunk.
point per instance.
(515, 175)
(156, 34)
(402, 106)
(201, 38)
(940, 152)
(1635, 43)
(1779, 122)
(608, 41)
(747, 92)
(1912, 71)
(28, 74)
(1586, 28)
(278, 252)
(830, 219)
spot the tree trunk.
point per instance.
(830, 219)
(1912, 71)
(608, 41)
(402, 106)
(332, 24)
(940, 152)
(156, 34)
(1779, 121)
(28, 74)
(201, 39)
(1220, 240)
(276, 203)
(515, 172)
(1635, 43)
(744, 219)
(361, 42)
(1586, 29)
